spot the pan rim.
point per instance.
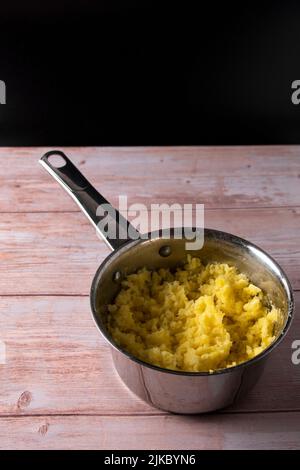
(218, 234)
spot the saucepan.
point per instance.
(173, 391)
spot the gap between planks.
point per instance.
(143, 414)
(61, 295)
(229, 208)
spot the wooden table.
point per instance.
(58, 389)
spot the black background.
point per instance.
(149, 73)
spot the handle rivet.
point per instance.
(117, 276)
(165, 251)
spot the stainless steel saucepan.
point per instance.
(178, 392)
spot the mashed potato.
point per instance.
(198, 318)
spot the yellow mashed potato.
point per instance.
(198, 318)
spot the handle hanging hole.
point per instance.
(57, 161)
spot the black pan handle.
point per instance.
(109, 223)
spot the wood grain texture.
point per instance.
(244, 431)
(58, 388)
(38, 251)
(53, 347)
(216, 176)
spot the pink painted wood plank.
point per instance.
(244, 431)
(216, 176)
(58, 363)
(55, 253)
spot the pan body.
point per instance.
(188, 392)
